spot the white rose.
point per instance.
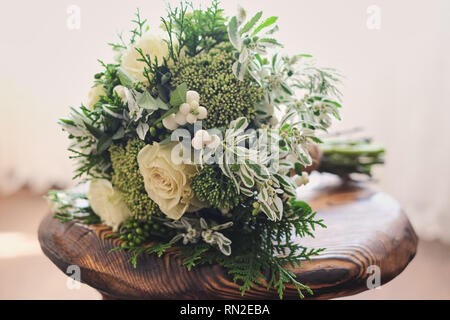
(167, 183)
(107, 203)
(121, 92)
(151, 44)
(94, 96)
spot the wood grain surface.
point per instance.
(365, 228)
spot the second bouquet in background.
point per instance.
(182, 147)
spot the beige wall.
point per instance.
(397, 83)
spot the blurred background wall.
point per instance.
(394, 55)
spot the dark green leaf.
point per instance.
(97, 133)
(298, 168)
(104, 143)
(119, 134)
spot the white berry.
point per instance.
(180, 118)
(191, 118)
(202, 113)
(194, 104)
(170, 123)
(185, 108)
(192, 96)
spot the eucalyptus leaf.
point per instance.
(119, 134)
(147, 102)
(178, 96)
(125, 78)
(104, 143)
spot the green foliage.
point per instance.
(192, 30)
(139, 28)
(225, 97)
(128, 180)
(69, 206)
(318, 80)
(107, 78)
(216, 189)
(91, 133)
(261, 247)
(178, 96)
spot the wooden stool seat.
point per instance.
(364, 228)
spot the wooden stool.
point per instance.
(364, 228)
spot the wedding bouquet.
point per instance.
(196, 138)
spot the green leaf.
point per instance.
(161, 104)
(166, 114)
(125, 79)
(178, 96)
(119, 134)
(96, 132)
(298, 168)
(103, 143)
(165, 78)
(146, 101)
(261, 171)
(337, 104)
(69, 122)
(301, 205)
(233, 34)
(163, 93)
(268, 22)
(268, 211)
(286, 89)
(315, 139)
(251, 23)
(271, 41)
(240, 123)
